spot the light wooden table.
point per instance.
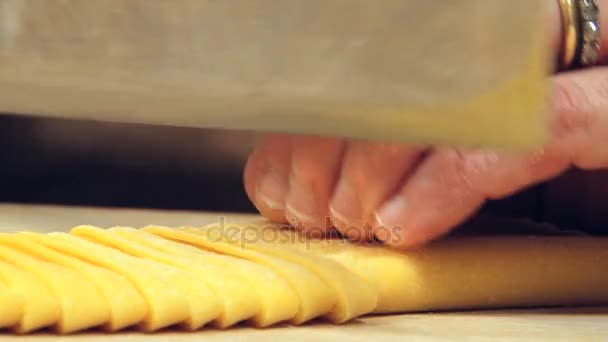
(572, 324)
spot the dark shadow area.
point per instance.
(47, 161)
(74, 162)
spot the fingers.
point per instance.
(370, 173)
(308, 179)
(290, 179)
(451, 184)
(314, 167)
(580, 127)
(265, 176)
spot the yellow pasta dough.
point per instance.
(127, 306)
(194, 277)
(171, 295)
(315, 297)
(82, 305)
(11, 306)
(355, 296)
(471, 272)
(278, 301)
(41, 308)
(237, 296)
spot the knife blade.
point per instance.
(434, 72)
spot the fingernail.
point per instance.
(271, 190)
(345, 206)
(390, 219)
(301, 203)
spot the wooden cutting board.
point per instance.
(567, 324)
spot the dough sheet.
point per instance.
(221, 276)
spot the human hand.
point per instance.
(409, 195)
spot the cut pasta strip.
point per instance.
(355, 296)
(278, 301)
(315, 297)
(41, 307)
(11, 306)
(237, 297)
(165, 289)
(127, 306)
(82, 305)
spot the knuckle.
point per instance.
(459, 173)
(577, 104)
(467, 167)
(569, 96)
(581, 103)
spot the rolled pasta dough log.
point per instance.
(472, 272)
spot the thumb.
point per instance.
(452, 184)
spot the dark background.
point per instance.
(53, 161)
(72, 162)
